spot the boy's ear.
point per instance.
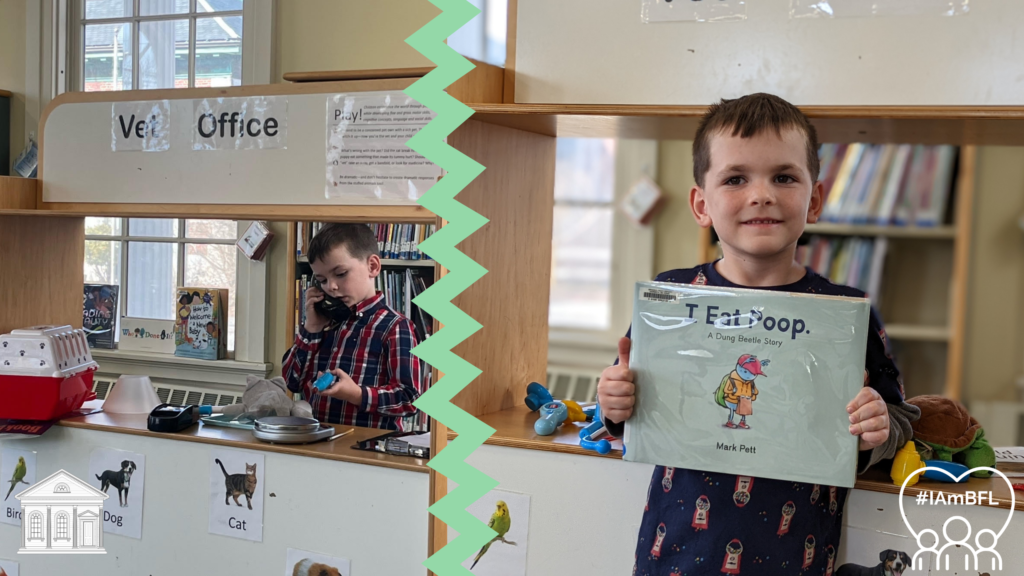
(699, 207)
(817, 202)
(373, 265)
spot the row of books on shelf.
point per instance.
(853, 261)
(886, 184)
(394, 241)
(399, 288)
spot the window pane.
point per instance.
(217, 5)
(585, 170)
(163, 54)
(102, 262)
(581, 268)
(212, 229)
(214, 266)
(158, 7)
(153, 227)
(108, 9)
(152, 276)
(108, 57)
(218, 52)
(102, 226)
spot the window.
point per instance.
(149, 258)
(483, 37)
(62, 526)
(144, 44)
(35, 523)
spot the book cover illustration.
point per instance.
(746, 382)
(99, 314)
(200, 323)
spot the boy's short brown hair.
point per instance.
(358, 239)
(749, 116)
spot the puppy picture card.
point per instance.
(303, 563)
(236, 494)
(122, 476)
(8, 568)
(17, 473)
(746, 382)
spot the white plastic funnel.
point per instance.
(131, 395)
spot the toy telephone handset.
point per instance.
(331, 308)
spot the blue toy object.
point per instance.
(551, 415)
(325, 381)
(536, 396)
(957, 470)
(595, 430)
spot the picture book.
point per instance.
(200, 323)
(747, 382)
(99, 314)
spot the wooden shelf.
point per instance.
(910, 332)
(922, 232)
(388, 262)
(989, 125)
(405, 214)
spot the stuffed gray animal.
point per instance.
(267, 398)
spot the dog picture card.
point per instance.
(303, 563)
(17, 473)
(122, 476)
(236, 494)
(8, 568)
(746, 382)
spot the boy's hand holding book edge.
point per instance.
(869, 417)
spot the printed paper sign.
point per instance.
(692, 10)
(17, 473)
(508, 514)
(9, 568)
(259, 122)
(122, 476)
(147, 335)
(302, 563)
(861, 8)
(367, 155)
(236, 494)
(144, 126)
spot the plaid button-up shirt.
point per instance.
(373, 346)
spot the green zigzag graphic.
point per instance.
(462, 272)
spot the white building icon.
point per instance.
(61, 515)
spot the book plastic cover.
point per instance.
(99, 314)
(746, 382)
(200, 323)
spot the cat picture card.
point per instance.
(17, 474)
(122, 476)
(236, 494)
(746, 382)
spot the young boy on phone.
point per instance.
(755, 164)
(376, 376)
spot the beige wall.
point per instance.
(317, 35)
(995, 323)
(12, 66)
(676, 233)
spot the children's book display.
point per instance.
(850, 261)
(99, 314)
(200, 323)
(746, 382)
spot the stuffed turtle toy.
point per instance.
(951, 434)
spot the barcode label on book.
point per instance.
(658, 296)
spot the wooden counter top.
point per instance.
(514, 429)
(339, 449)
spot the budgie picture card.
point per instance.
(17, 473)
(747, 382)
(508, 514)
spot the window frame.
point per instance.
(632, 261)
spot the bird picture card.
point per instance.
(236, 494)
(8, 568)
(122, 476)
(303, 563)
(17, 473)
(746, 382)
(508, 514)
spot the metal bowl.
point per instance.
(287, 425)
(293, 437)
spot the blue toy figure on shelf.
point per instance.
(536, 396)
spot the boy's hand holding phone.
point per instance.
(616, 393)
(344, 388)
(314, 321)
(615, 389)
